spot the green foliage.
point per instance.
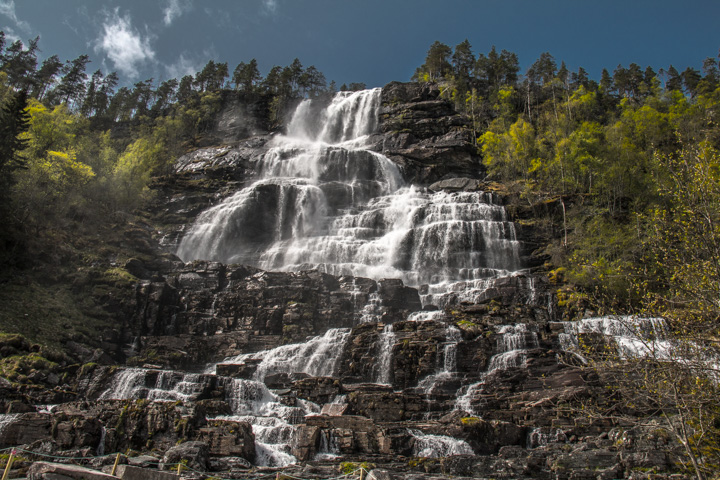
(346, 468)
(19, 368)
(511, 153)
(14, 121)
(681, 243)
(596, 151)
(470, 421)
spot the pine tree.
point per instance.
(463, 60)
(14, 120)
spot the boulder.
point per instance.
(129, 472)
(192, 454)
(57, 471)
(228, 439)
(25, 428)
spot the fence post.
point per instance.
(8, 465)
(117, 460)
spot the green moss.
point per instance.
(470, 421)
(349, 467)
(423, 463)
(87, 368)
(49, 314)
(119, 275)
(18, 368)
(4, 457)
(467, 323)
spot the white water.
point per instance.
(435, 446)
(464, 400)
(383, 367)
(633, 337)
(373, 310)
(130, 383)
(511, 346)
(324, 200)
(328, 446)
(513, 342)
(100, 450)
(273, 422)
(7, 419)
(250, 400)
(317, 357)
(448, 367)
(273, 439)
(541, 436)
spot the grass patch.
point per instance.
(49, 314)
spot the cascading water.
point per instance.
(324, 200)
(448, 367)
(634, 337)
(7, 419)
(432, 446)
(317, 357)
(328, 446)
(383, 368)
(167, 386)
(512, 343)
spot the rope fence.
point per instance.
(360, 472)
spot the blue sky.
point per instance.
(369, 41)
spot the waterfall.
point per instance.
(633, 337)
(125, 384)
(7, 419)
(323, 200)
(512, 343)
(328, 449)
(448, 367)
(100, 450)
(383, 368)
(273, 421)
(435, 446)
(541, 436)
(317, 357)
(170, 386)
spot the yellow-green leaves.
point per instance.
(509, 154)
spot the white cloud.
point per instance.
(270, 6)
(124, 46)
(10, 35)
(183, 66)
(7, 8)
(174, 9)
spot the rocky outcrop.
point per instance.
(206, 311)
(423, 134)
(114, 425)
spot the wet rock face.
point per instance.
(115, 425)
(210, 311)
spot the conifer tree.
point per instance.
(14, 120)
